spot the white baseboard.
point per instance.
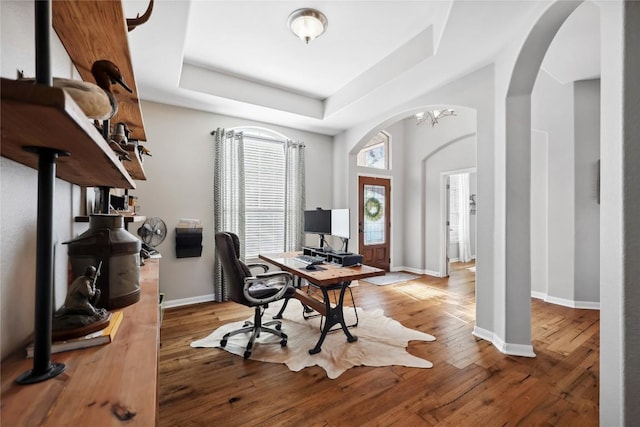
(585, 305)
(188, 301)
(482, 334)
(433, 273)
(417, 271)
(538, 295)
(407, 269)
(588, 305)
(521, 350)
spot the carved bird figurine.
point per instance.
(144, 150)
(118, 140)
(120, 152)
(95, 100)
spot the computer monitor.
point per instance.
(317, 222)
(340, 223)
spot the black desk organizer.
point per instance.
(188, 242)
(343, 258)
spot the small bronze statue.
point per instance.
(79, 311)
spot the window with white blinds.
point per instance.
(264, 196)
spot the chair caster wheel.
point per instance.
(223, 343)
(283, 343)
(247, 354)
(278, 327)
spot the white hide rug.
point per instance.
(382, 341)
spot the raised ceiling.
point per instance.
(238, 58)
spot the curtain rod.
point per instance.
(265, 138)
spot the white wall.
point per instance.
(180, 185)
(18, 200)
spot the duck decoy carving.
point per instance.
(120, 152)
(105, 74)
(132, 23)
(95, 100)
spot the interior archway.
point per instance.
(513, 325)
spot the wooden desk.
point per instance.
(332, 276)
(98, 381)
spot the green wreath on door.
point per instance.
(373, 209)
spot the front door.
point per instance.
(374, 221)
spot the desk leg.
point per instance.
(306, 308)
(334, 316)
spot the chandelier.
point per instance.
(433, 115)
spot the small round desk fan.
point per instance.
(152, 232)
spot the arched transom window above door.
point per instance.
(376, 153)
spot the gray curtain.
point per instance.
(294, 195)
(228, 196)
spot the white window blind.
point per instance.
(264, 197)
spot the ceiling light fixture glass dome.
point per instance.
(307, 24)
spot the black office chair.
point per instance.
(253, 291)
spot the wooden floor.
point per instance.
(470, 384)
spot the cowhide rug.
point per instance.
(382, 341)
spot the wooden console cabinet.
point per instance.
(100, 384)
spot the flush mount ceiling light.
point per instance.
(434, 115)
(307, 24)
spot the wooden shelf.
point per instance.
(93, 30)
(134, 166)
(98, 381)
(127, 219)
(39, 115)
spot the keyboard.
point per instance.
(309, 259)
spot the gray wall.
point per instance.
(180, 185)
(587, 222)
(552, 112)
(565, 214)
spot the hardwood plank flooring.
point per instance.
(470, 384)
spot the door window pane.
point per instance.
(374, 226)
